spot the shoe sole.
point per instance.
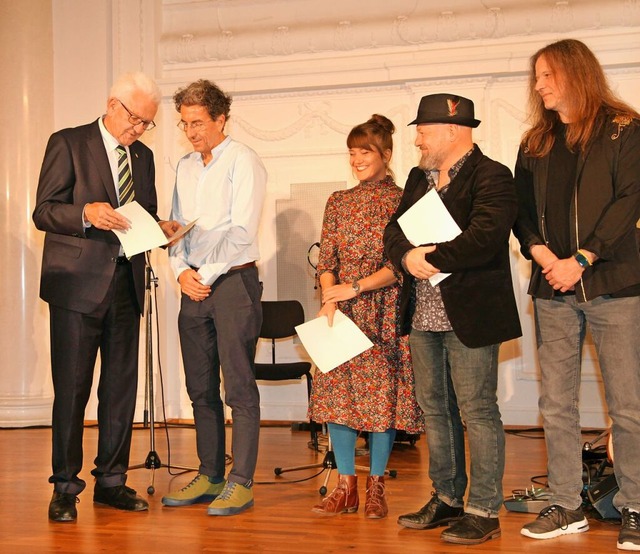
(229, 511)
(63, 519)
(143, 509)
(459, 540)
(440, 523)
(572, 528)
(327, 513)
(628, 546)
(204, 499)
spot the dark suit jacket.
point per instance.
(603, 214)
(478, 296)
(78, 264)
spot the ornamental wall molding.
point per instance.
(223, 30)
(495, 58)
(414, 87)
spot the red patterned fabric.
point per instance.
(374, 391)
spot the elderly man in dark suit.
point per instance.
(456, 326)
(95, 294)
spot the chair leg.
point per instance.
(313, 429)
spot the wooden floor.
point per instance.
(280, 521)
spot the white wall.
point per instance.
(26, 118)
(302, 74)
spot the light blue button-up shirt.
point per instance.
(226, 198)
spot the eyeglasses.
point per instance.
(194, 125)
(136, 120)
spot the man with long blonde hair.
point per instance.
(578, 183)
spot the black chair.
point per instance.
(279, 320)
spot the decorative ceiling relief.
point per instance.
(219, 30)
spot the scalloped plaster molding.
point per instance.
(401, 65)
(218, 30)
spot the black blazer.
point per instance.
(77, 264)
(478, 297)
(603, 213)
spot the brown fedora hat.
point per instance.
(446, 108)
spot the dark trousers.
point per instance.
(76, 338)
(222, 332)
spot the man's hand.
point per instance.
(543, 255)
(190, 285)
(417, 265)
(563, 274)
(102, 216)
(169, 228)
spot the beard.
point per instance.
(431, 161)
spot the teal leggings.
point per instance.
(343, 440)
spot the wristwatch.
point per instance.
(356, 287)
(582, 260)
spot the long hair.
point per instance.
(587, 93)
(375, 135)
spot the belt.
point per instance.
(241, 266)
(232, 268)
(120, 260)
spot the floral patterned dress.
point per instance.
(375, 390)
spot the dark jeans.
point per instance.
(221, 332)
(456, 383)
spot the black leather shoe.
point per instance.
(433, 514)
(472, 529)
(120, 497)
(63, 507)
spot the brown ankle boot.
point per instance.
(375, 506)
(342, 499)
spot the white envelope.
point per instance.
(329, 347)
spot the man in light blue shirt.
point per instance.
(222, 184)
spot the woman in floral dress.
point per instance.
(374, 391)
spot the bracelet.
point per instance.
(581, 259)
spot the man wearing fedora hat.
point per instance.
(455, 327)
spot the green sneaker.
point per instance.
(199, 490)
(235, 498)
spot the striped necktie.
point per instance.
(125, 181)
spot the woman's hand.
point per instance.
(338, 293)
(328, 309)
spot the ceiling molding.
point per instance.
(205, 31)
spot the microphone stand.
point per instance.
(152, 461)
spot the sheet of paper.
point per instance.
(329, 347)
(144, 233)
(182, 231)
(429, 222)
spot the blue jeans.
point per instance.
(456, 383)
(560, 331)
